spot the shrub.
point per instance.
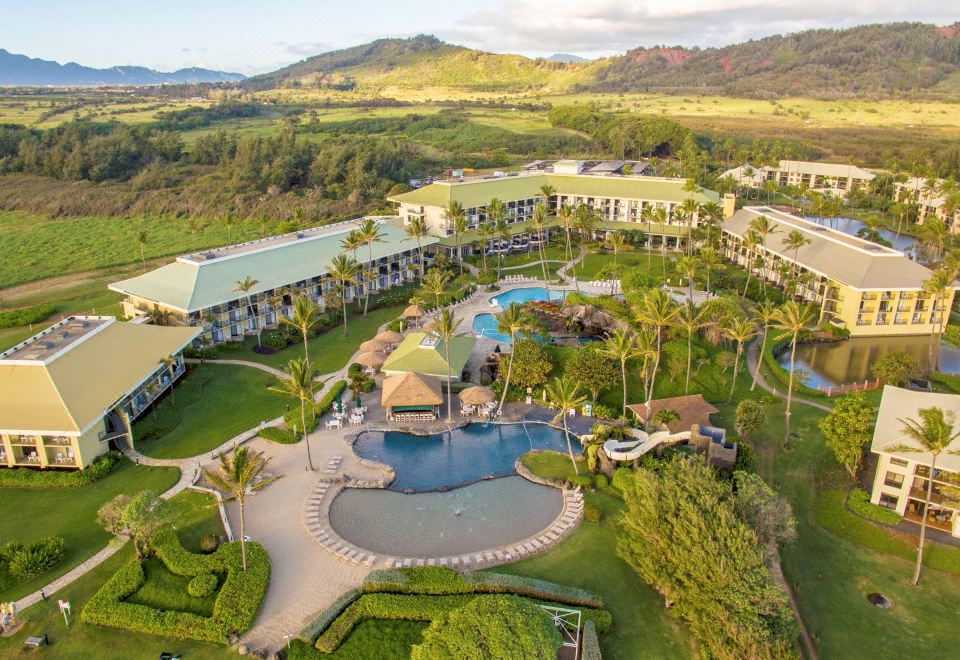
(581, 480)
(323, 620)
(16, 318)
(601, 481)
(859, 503)
(324, 404)
(26, 560)
(590, 645)
(278, 435)
(622, 478)
(209, 543)
(895, 367)
(591, 513)
(202, 585)
(601, 411)
(30, 478)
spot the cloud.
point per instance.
(611, 26)
(303, 49)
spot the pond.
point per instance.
(442, 461)
(903, 243)
(850, 360)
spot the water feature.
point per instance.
(850, 360)
(478, 517)
(528, 294)
(903, 243)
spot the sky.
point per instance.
(253, 37)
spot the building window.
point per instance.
(893, 479)
(888, 501)
(899, 462)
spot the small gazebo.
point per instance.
(477, 395)
(411, 397)
(371, 359)
(373, 345)
(390, 337)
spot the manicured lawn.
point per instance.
(81, 640)
(642, 626)
(535, 271)
(214, 403)
(379, 639)
(589, 268)
(552, 465)
(32, 513)
(165, 591)
(330, 350)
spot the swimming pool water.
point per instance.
(527, 294)
(485, 325)
(476, 451)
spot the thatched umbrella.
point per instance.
(477, 395)
(389, 337)
(413, 312)
(373, 345)
(371, 359)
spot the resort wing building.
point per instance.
(901, 479)
(620, 200)
(835, 178)
(66, 392)
(931, 201)
(864, 287)
(201, 289)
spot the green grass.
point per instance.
(552, 465)
(31, 513)
(330, 350)
(642, 626)
(590, 268)
(196, 515)
(81, 640)
(214, 403)
(379, 639)
(163, 590)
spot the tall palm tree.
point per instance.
(688, 267)
(344, 270)
(616, 242)
(298, 383)
(691, 211)
(938, 286)
(229, 222)
(794, 318)
(497, 217)
(739, 330)
(661, 216)
(238, 476)
(794, 241)
(690, 320)
(622, 346)
(457, 217)
(305, 313)
(764, 315)
(538, 221)
(436, 284)
(416, 229)
(547, 191)
(445, 328)
(369, 231)
(142, 237)
(933, 434)
(765, 228)
(936, 234)
(169, 362)
(658, 310)
(564, 394)
(486, 231)
(503, 237)
(565, 213)
(245, 285)
(194, 226)
(512, 321)
(711, 261)
(585, 221)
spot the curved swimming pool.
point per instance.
(465, 455)
(527, 294)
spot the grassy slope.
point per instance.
(31, 513)
(194, 518)
(213, 404)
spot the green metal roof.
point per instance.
(190, 284)
(411, 356)
(479, 192)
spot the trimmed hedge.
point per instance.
(278, 435)
(31, 478)
(327, 616)
(202, 585)
(859, 503)
(16, 318)
(234, 609)
(590, 645)
(324, 404)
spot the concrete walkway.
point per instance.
(241, 363)
(753, 364)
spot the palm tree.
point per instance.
(486, 232)
(688, 267)
(622, 346)
(457, 217)
(689, 318)
(445, 328)
(169, 362)
(938, 286)
(741, 331)
(547, 191)
(370, 233)
(764, 227)
(194, 226)
(710, 261)
(298, 383)
(658, 310)
(512, 321)
(239, 475)
(538, 221)
(764, 315)
(436, 284)
(566, 219)
(563, 393)
(245, 285)
(417, 229)
(229, 221)
(585, 221)
(305, 313)
(934, 433)
(497, 217)
(142, 238)
(794, 241)
(344, 270)
(794, 318)
(158, 316)
(616, 241)
(690, 209)
(503, 237)
(660, 216)
(936, 233)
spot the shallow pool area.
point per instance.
(478, 517)
(459, 457)
(528, 294)
(485, 326)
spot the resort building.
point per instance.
(68, 391)
(620, 200)
(201, 289)
(901, 479)
(940, 200)
(833, 178)
(410, 397)
(864, 287)
(426, 354)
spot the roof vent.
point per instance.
(48, 344)
(209, 255)
(299, 235)
(64, 334)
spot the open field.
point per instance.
(49, 110)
